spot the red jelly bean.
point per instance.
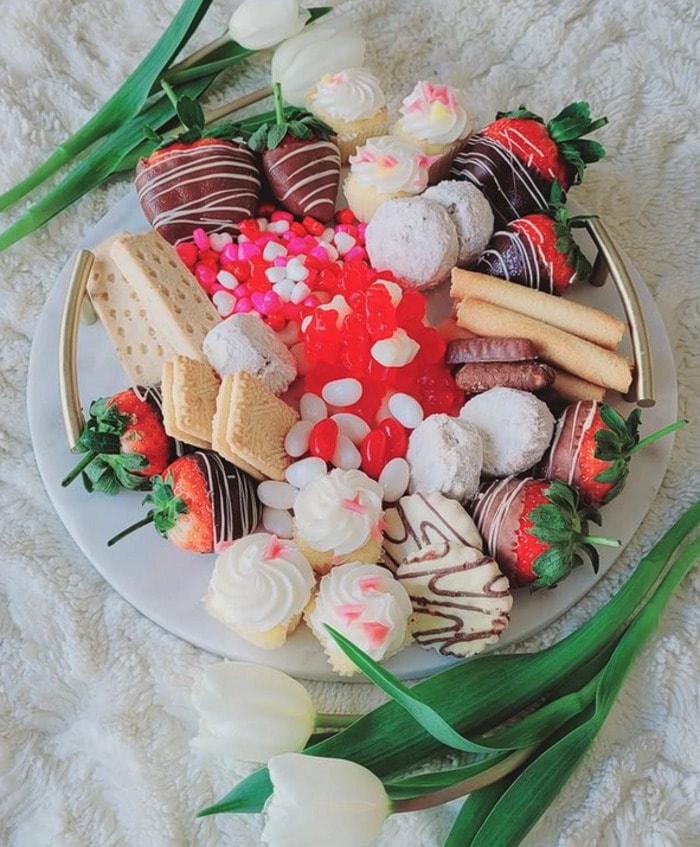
(323, 438)
(397, 441)
(373, 451)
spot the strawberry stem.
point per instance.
(279, 105)
(134, 526)
(79, 468)
(650, 439)
(603, 542)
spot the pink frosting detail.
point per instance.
(354, 505)
(221, 546)
(370, 583)
(274, 549)
(350, 611)
(375, 631)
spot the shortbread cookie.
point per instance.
(176, 305)
(421, 519)
(250, 424)
(139, 347)
(461, 600)
(190, 389)
(245, 343)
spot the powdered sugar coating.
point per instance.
(415, 239)
(469, 211)
(244, 343)
(515, 428)
(445, 455)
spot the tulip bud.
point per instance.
(318, 802)
(323, 48)
(257, 24)
(251, 712)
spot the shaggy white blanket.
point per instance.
(95, 719)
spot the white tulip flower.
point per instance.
(251, 712)
(323, 48)
(318, 802)
(257, 24)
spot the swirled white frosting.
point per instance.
(367, 605)
(391, 164)
(436, 113)
(350, 95)
(340, 512)
(258, 583)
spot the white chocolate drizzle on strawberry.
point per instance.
(561, 461)
(495, 514)
(521, 252)
(304, 178)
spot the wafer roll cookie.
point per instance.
(572, 388)
(583, 321)
(562, 349)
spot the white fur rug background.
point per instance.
(94, 702)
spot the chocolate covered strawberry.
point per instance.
(592, 447)
(516, 159)
(124, 443)
(199, 180)
(301, 164)
(535, 529)
(538, 250)
(200, 503)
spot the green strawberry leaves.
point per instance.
(296, 123)
(614, 444)
(567, 130)
(167, 508)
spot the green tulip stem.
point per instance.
(200, 55)
(214, 115)
(279, 105)
(328, 721)
(466, 786)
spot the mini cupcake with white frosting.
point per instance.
(259, 588)
(352, 103)
(367, 605)
(339, 518)
(438, 119)
(384, 168)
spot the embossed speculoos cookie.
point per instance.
(461, 600)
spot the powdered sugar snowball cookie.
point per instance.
(470, 212)
(415, 239)
(367, 605)
(461, 600)
(339, 518)
(383, 168)
(244, 342)
(439, 120)
(259, 588)
(352, 103)
(445, 455)
(419, 520)
(516, 429)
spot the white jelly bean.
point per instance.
(342, 392)
(296, 442)
(406, 409)
(394, 479)
(284, 289)
(312, 408)
(278, 522)
(300, 293)
(352, 426)
(301, 473)
(224, 302)
(276, 495)
(276, 274)
(346, 455)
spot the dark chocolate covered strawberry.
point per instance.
(592, 447)
(200, 180)
(301, 164)
(200, 503)
(124, 443)
(538, 250)
(535, 529)
(516, 159)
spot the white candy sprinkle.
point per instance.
(341, 306)
(300, 293)
(276, 495)
(297, 271)
(305, 322)
(327, 234)
(262, 224)
(344, 242)
(395, 291)
(278, 226)
(395, 352)
(312, 408)
(346, 455)
(284, 289)
(224, 302)
(273, 250)
(242, 239)
(406, 409)
(342, 392)
(276, 274)
(301, 473)
(218, 240)
(352, 426)
(228, 280)
(296, 442)
(278, 522)
(394, 479)
(330, 249)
